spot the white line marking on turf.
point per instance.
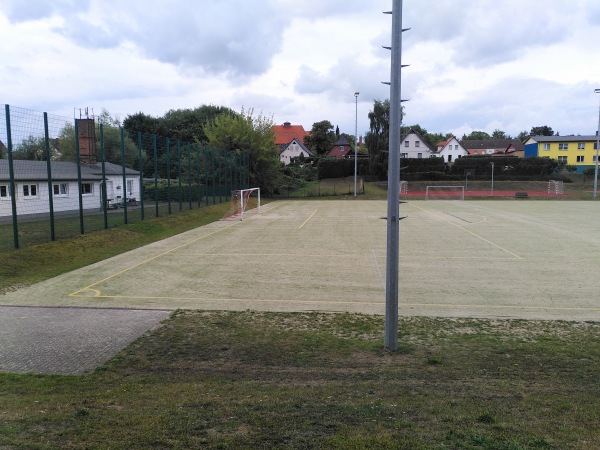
(306, 221)
(468, 231)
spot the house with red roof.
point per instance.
(286, 133)
(341, 149)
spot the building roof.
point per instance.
(483, 144)
(570, 138)
(27, 170)
(284, 147)
(286, 132)
(423, 140)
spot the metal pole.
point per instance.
(492, 179)
(393, 211)
(597, 91)
(355, 137)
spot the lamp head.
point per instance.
(597, 91)
(356, 93)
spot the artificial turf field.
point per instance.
(506, 258)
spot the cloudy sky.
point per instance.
(474, 64)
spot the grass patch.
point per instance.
(245, 380)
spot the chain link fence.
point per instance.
(61, 177)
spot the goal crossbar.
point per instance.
(242, 202)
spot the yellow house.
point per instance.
(578, 151)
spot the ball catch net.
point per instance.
(243, 203)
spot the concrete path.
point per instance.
(56, 340)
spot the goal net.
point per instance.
(404, 187)
(243, 202)
(556, 187)
(445, 193)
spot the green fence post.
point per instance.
(11, 174)
(103, 166)
(189, 189)
(212, 170)
(79, 184)
(198, 175)
(155, 174)
(123, 163)
(169, 174)
(141, 169)
(49, 174)
(179, 187)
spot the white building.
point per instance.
(414, 146)
(450, 150)
(293, 149)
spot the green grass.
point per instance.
(247, 380)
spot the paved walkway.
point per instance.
(56, 340)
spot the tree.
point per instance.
(499, 134)
(435, 138)
(544, 130)
(522, 136)
(377, 139)
(478, 135)
(322, 137)
(34, 149)
(253, 136)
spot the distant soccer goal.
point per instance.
(556, 187)
(404, 187)
(243, 203)
(445, 193)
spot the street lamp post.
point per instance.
(492, 163)
(597, 91)
(355, 137)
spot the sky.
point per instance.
(473, 64)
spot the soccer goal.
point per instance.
(404, 187)
(243, 203)
(556, 187)
(445, 193)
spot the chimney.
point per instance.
(360, 141)
(286, 125)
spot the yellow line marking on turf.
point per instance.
(89, 287)
(306, 221)
(97, 293)
(468, 231)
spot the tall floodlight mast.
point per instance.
(393, 211)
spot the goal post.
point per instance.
(445, 193)
(403, 187)
(556, 187)
(243, 202)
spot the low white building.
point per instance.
(450, 150)
(415, 146)
(293, 149)
(33, 192)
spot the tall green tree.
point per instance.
(543, 130)
(322, 137)
(377, 139)
(478, 135)
(522, 136)
(246, 134)
(499, 134)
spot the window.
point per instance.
(456, 147)
(562, 159)
(563, 146)
(419, 155)
(4, 191)
(403, 155)
(417, 143)
(595, 145)
(341, 148)
(406, 143)
(130, 182)
(581, 146)
(61, 189)
(29, 190)
(546, 147)
(86, 188)
(580, 158)
(594, 158)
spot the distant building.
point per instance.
(414, 146)
(495, 147)
(293, 150)
(578, 151)
(450, 150)
(284, 134)
(341, 149)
